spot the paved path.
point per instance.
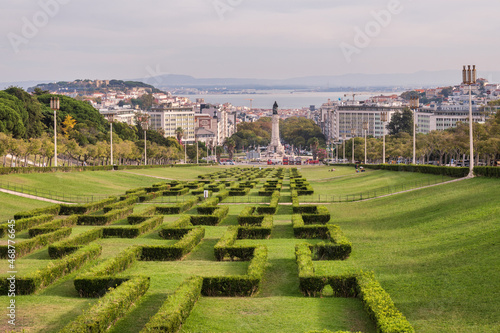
(29, 196)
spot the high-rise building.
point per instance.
(170, 118)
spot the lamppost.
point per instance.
(414, 103)
(196, 151)
(383, 118)
(111, 119)
(365, 128)
(144, 119)
(343, 147)
(469, 78)
(353, 132)
(54, 105)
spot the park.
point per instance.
(250, 249)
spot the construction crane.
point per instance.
(345, 95)
(251, 100)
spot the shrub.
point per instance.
(98, 280)
(493, 172)
(121, 204)
(25, 247)
(176, 251)
(176, 308)
(247, 217)
(215, 218)
(133, 231)
(431, 169)
(30, 283)
(322, 216)
(110, 308)
(143, 216)
(177, 229)
(228, 239)
(60, 249)
(51, 210)
(111, 216)
(177, 208)
(257, 232)
(310, 231)
(26, 223)
(53, 226)
(85, 208)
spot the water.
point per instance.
(285, 99)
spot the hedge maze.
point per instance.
(152, 234)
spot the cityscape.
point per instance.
(250, 166)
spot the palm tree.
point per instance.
(179, 132)
(230, 144)
(314, 147)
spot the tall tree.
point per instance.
(401, 122)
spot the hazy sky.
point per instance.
(70, 39)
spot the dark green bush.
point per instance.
(174, 252)
(133, 231)
(177, 208)
(111, 216)
(50, 210)
(143, 216)
(492, 172)
(110, 308)
(60, 249)
(53, 226)
(25, 247)
(121, 204)
(26, 223)
(322, 216)
(85, 208)
(30, 283)
(215, 218)
(431, 169)
(176, 308)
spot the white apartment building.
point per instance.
(444, 116)
(169, 118)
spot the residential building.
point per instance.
(169, 118)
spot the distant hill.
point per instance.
(91, 86)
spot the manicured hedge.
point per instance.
(308, 231)
(62, 248)
(178, 229)
(238, 285)
(227, 240)
(25, 247)
(26, 223)
(322, 216)
(208, 206)
(305, 209)
(133, 231)
(493, 172)
(176, 308)
(111, 216)
(257, 232)
(238, 191)
(174, 252)
(85, 208)
(213, 219)
(97, 281)
(143, 216)
(432, 169)
(110, 308)
(51, 210)
(53, 225)
(247, 217)
(30, 283)
(273, 205)
(177, 208)
(121, 204)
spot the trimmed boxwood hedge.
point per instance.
(257, 232)
(51, 210)
(86, 208)
(247, 217)
(213, 219)
(133, 231)
(493, 172)
(25, 247)
(177, 208)
(322, 216)
(26, 223)
(110, 308)
(65, 247)
(30, 283)
(121, 204)
(238, 285)
(176, 308)
(53, 225)
(111, 216)
(432, 169)
(97, 281)
(174, 252)
(143, 216)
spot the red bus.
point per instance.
(285, 160)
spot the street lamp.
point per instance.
(144, 119)
(365, 128)
(414, 103)
(343, 147)
(111, 119)
(383, 118)
(469, 78)
(54, 105)
(353, 132)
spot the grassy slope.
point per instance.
(82, 183)
(12, 204)
(435, 251)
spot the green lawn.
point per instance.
(12, 204)
(435, 251)
(186, 173)
(103, 183)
